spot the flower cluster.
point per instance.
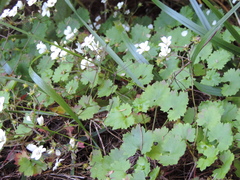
(89, 44)
(165, 50)
(70, 35)
(12, 12)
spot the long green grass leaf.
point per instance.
(108, 49)
(208, 89)
(53, 94)
(229, 27)
(209, 35)
(200, 14)
(198, 29)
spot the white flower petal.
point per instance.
(40, 120)
(31, 147)
(2, 99)
(184, 33)
(3, 138)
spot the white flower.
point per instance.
(57, 163)
(97, 26)
(36, 151)
(143, 47)
(55, 51)
(28, 118)
(126, 27)
(50, 151)
(2, 99)
(19, 5)
(86, 62)
(58, 152)
(31, 2)
(115, 14)
(3, 138)
(103, 1)
(51, 3)
(45, 10)
(88, 41)
(42, 48)
(120, 5)
(184, 33)
(97, 18)
(72, 142)
(63, 53)
(5, 13)
(79, 48)
(234, 1)
(166, 41)
(150, 26)
(69, 33)
(214, 22)
(208, 12)
(164, 51)
(13, 12)
(40, 120)
(127, 12)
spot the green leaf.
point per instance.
(179, 41)
(143, 20)
(138, 139)
(106, 88)
(89, 107)
(26, 166)
(222, 133)
(233, 78)
(172, 102)
(143, 166)
(158, 138)
(154, 173)
(62, 72)
(120, 117)
(209, 155)
(139, 33)
(210, 116)
(89, 76)
(142, 71)
(72, 86)
(99, 165)
(112, 34)
(182, 81)
(212, 78)
(218, 59)
(227, 158)
(164, 21)
(173, 147)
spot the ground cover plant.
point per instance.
(117, 94)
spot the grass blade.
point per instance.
(229, 27)
(200, 14)
(209, 35)
(51, 92)
(198, 29)
(208, 89)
